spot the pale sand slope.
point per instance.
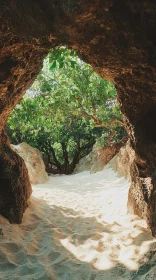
(76, 228)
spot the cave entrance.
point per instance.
(118, 39)
(78, 222)
(68, 110)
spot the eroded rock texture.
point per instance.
(126, 164)
(15, 188)
(117, 37)
(122, 162)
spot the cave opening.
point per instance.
(82, 218)
(67, 111)
(82, 211)
(118, 39)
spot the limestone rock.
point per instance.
(123, 160)
(98, 158)
(129, 165)
(34, 162)
(95, 161)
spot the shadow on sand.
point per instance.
(58, 243)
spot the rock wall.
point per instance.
(117, 37)
(34, 162)
(15, 186)
(125, 163)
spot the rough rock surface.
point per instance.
(117, 37)
(96, 160)
(125, 163)
(34, 162)
(93, 162)
(123, 160)
(14, 183)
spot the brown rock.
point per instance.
(15, 188)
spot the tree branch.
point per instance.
(65, 155)
(85, 114)
(58, 164)
(112, 122)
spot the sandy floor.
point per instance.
(76, 228)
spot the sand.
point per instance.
(76, 228)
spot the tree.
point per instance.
(70, 80)
(66, 110)
(61, 140)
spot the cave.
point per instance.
(116, 37)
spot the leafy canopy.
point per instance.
(68, 104)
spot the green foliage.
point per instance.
(61, 112)
(70, 81)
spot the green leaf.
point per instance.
(53, 66)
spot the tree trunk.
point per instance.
(66, 159)
(58, 164)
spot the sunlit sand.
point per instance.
(76, 228)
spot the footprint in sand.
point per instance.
(11, 247)
(14, 254)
